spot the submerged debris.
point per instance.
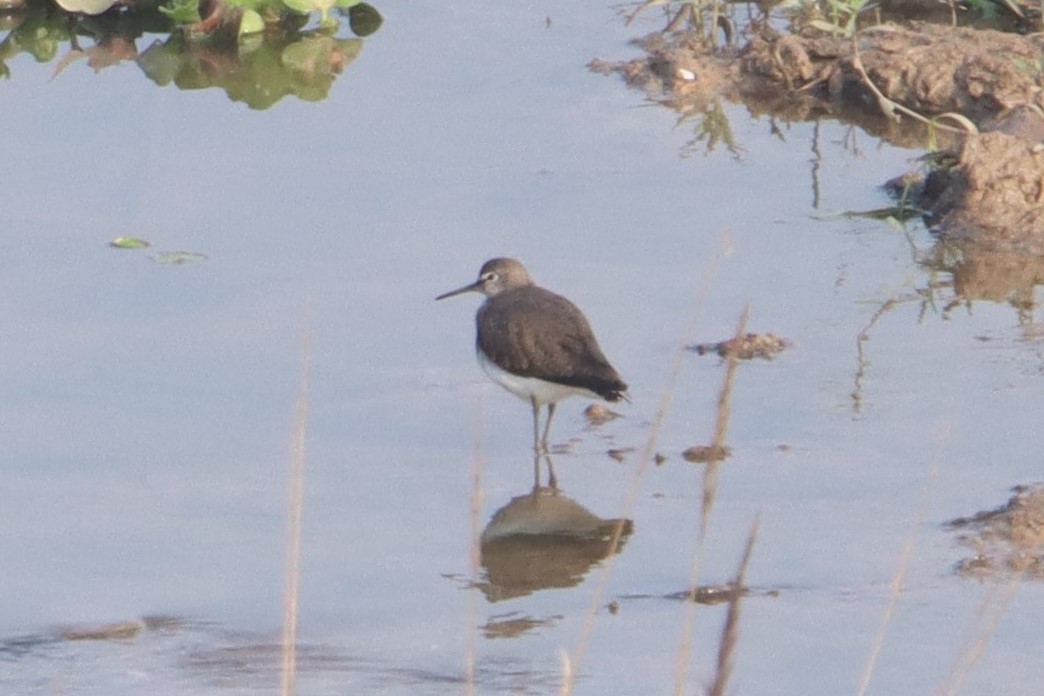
(597, 414)
(178, 258)
(712, 594)
(707, 454)
(1007, 539)
(123, 630)
(114, 631)
(745, 347)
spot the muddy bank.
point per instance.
(916, 86)
(1007, 539)
(993, 196)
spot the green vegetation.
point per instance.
(840, 16)
(258, 51)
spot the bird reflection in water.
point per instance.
(544, 540)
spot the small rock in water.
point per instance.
(705, 454)
(597, 414)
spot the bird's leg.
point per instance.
(547, 428)
(552, 480)
(536, 472)
(536, 433)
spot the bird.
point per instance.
(536, 344)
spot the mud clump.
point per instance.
(745, 347)
(994, 196)
(927, 68)
(707, 454)
(1007, 539)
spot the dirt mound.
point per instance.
(926, 68)
(902, 84)
(994, 196)
(1006, 539)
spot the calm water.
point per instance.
(148, 409)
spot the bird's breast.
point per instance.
(529, 388)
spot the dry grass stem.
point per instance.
(294, 509)
(567, 667)
(861, 362)
(710, 489)
(730, 632)
(721, 429)
(988, 619)
(646, 456)
(899, 579)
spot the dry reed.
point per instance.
(988, 618)
(646, 456)
(709, 491)
(295, 507)
(730, 631)
(899, 580)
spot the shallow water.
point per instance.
(148, 410)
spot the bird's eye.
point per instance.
(489, 276)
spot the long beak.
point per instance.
(471, 287)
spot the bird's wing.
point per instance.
(551, 339)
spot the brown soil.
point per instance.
(1006, 539)
(994, 196)
(994, 193)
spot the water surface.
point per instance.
(148, 409)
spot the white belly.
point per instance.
(530, 387)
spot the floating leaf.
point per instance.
(364, 19)
(178, 258)
(129, 243)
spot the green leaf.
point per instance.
(364, 19)
(129, 243)
(251, 23)
(299, 6)
(182, 11)
(826, 26)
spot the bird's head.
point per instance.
(495, 276)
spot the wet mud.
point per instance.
(1007, 539)
(979, 93)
